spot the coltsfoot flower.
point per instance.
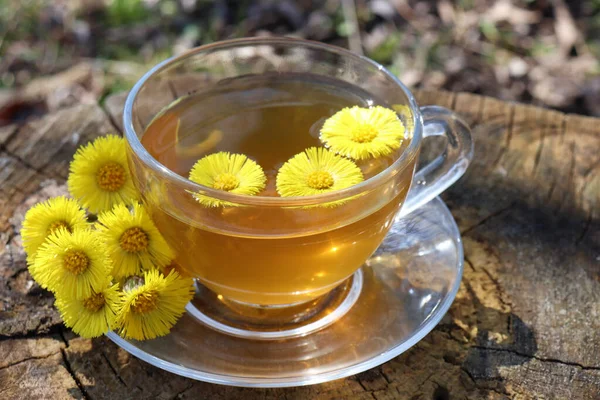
(316, 171)
(46, 218)
(152, 305)
(361, 133)
(234, 173)
(132, 240)
(99, 175)
(91, 316)
(72, 264)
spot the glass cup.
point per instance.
(270, 267)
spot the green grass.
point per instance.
(384, 53)
(126, 12)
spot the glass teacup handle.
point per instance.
(432, 179)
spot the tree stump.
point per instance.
(525, 323)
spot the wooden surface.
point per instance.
(525, 324)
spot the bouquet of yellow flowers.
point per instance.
(109, 268)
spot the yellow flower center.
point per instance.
(145, 302)
(364, 133)
(320, 180)
(94, 303)
(111, 177)
(226, 181)
(76, 261)
(134, 240)
(56, 225)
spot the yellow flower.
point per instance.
(150, 309)
(45, 218)
(360, 133)
(133, 241)
(316, 171)
(94, 315)
(72, 264)
(99, 175)
(234, 173)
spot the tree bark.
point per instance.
(525, 323)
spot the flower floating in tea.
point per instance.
(316, 171)
(151, 308)
(46, 218)
(77, 259)
(234, 173)
(74, 264)
(361, 133)
(99, 175)
(132, 240)
(94, 315)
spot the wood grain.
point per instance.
(525, 323)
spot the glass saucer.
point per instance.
(407, 287)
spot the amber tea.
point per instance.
(297, 253)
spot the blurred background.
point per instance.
(55, 53)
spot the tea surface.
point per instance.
(268, 118)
